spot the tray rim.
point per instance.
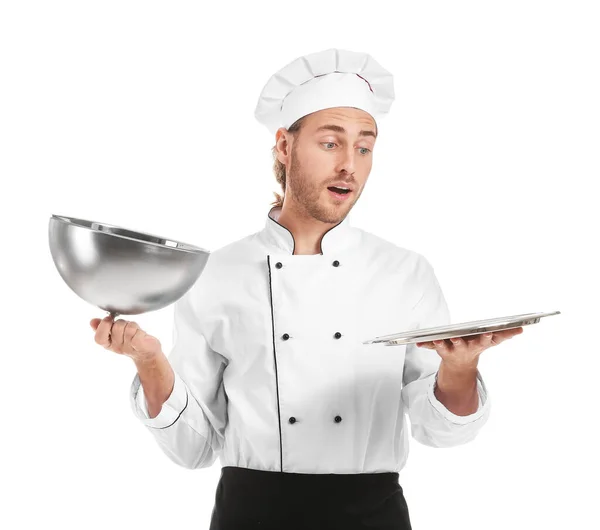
(461, 329)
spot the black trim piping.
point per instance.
(275, 360)
(293, 240)
(174, 421)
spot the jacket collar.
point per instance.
(277, 235)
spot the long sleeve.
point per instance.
(191, 424)
(432, 423)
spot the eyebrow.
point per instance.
(339, 129)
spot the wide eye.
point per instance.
(367, 150)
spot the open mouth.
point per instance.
(340, 191)
(339, 194)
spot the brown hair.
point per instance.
(279, 168)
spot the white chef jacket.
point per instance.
(271, 372)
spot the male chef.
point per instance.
(269, 369)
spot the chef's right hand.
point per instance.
(125, 338)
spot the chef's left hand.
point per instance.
(465, 351)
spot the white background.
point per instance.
(140, 114)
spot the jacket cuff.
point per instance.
(171, 409)
(484, 402)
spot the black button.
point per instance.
(336, 263)
(278, 265)
(338, 419)
(337, 335)
(285, 336)
(292, 420)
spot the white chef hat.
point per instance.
(322, 80)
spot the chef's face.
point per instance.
(333, 146)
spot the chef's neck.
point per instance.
(306, 230)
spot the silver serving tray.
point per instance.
(462, 329)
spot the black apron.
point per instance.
(250, 499)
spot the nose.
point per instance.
(346, 160)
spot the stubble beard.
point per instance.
(306, 197)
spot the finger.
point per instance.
(142, 342)
(131, 328)
(95, 322)
(501, 336)
(487, 340)
(117, 334)
(441, 346)
(102, 336)
(457, 342)
(515, 331)
(428, 345)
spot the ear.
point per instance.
(283, 145)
